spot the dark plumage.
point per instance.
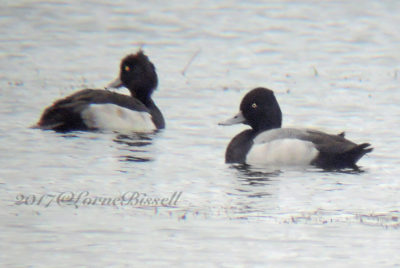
(267, 143)
(137, 74)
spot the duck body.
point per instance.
(269, 144)
(98, 109)
(290, 146)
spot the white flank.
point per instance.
(113, 117)
(282, 152)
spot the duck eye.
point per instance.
(254, 105)
(127, 68)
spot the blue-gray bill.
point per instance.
(237, 119)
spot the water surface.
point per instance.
(333, 65)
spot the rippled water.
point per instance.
(334, 65)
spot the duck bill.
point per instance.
(237, 119)
(117, 83)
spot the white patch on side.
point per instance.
(113, 117)
(282, 152)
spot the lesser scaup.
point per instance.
(269, 144)
(97, 109)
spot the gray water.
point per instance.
(334, 66)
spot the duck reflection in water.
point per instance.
(136, 145)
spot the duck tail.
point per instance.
(353, 155)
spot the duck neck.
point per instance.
(144, 95)
(267, 125)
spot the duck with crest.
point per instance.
(98, 109)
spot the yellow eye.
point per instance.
(127, 68)
(254, 105)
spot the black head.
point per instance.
(138, 74)
(261, 109)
